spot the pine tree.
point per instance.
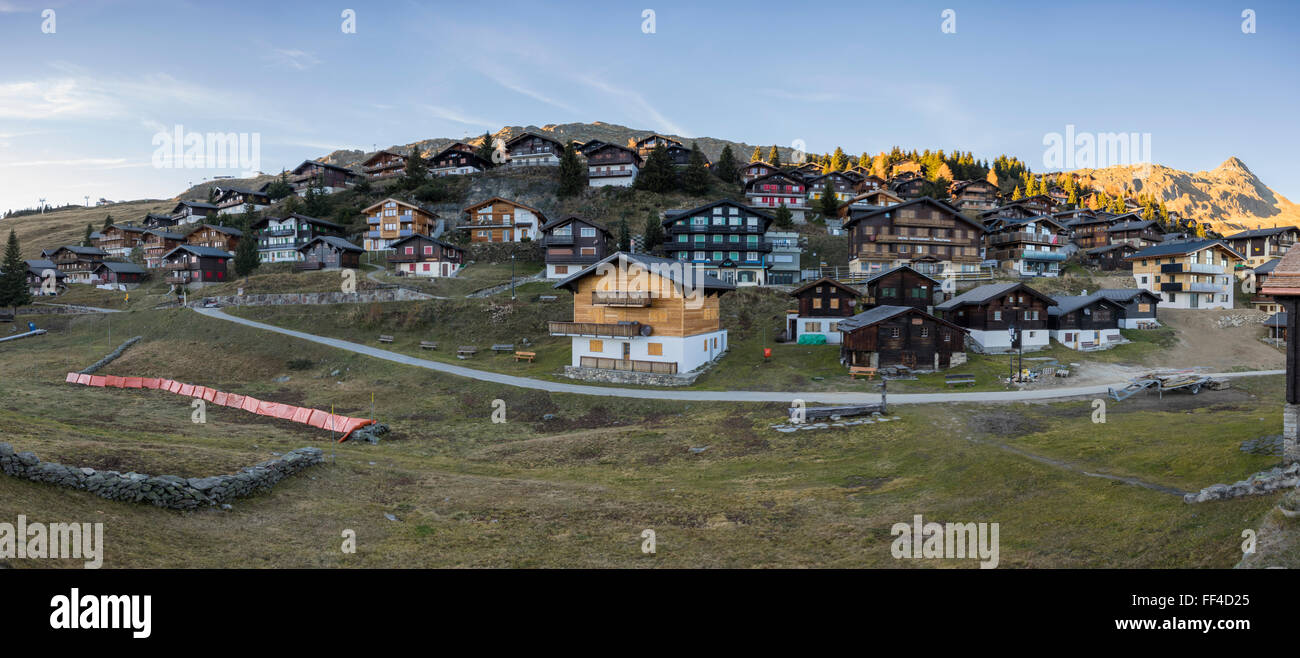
(246, 259)
(417, 170)
(108, 221)
(654, 231)
(727, 167)
(485, 149)
(1016, 196)
(658, 175)
(280, 188)
(757, 155)
(696, 178)
(85, 239)
(774, 157)
(572, 179)
(624, 236)
(828, 204)
(783, 218)
(13, 280)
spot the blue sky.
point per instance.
(79, 108)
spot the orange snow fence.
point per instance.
(344, 425)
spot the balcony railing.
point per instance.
(1030, 254)
(1198, 268)
(620, 298)
(662, 367)
(555, 239)
(712, 228)
(1207, 287)
(178, 277)
(595, 329)
(1025, 236)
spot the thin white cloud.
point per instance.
(457, 116)
(292, 58)
(634, 103)
(506, 79)
(78, 162)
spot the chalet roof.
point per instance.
(128, 229)
(673, 269)
(202, 252)
(960, 185)
(166, 235)
(982, 294)
(1110, 247)
(1020, 221)
(826, 280)
(525, 135)
(1136, 226)
(1126, 295)
(307, 163)
(452, 149)
(1261, 232)
(792, 176)
(408, 204)
(121, 268)
(83, 251)
(1284, 281)
(671, 216)
(38, 266)
(445, 245)
(1276, 320)
(602, 147)
(590, 145)
(881, 313)
(228, 230)
(574, 218)
(480, 204)
(336, 242)
(1179, 248)
(895, 269)
(196, 204)
(302, 218)
(1267, 268)
(651, 136)
(223, 191)
(378, 153)
(154, 215)
(1071, 303)
(865, 213)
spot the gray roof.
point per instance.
(228, 230)
(447, 245)
(872, 316)
(85, 251)
(1069, 303)
(38, 266)
(1276, 320)
(1134, 226)
(1182, 247)
(1260, 232)
(1267, 268)
(166, 234)
(337, 243)
(861, 214)
(122, 268)
(200, 251)
(197, 204)
(1110, 247)
(673, 215)
(895, 269)
(1124, 295)
(675, 271)
(981, 294)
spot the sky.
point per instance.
(88, 86)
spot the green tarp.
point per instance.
(812, 339)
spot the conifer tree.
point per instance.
(1016, 196)
(417, 171)
(108, 221)
(783, 218)
(485, 149)
(654, 231)
(757, 155)
(726, 167)
(572, 179)
(246, 259)
(13, 281)
(658, 174)
(774, 157)
(828, 204)
(624, 236)
(85, 239)
(696, 178)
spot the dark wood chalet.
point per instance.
(841, 185)
(681, 155)
(1259, 300)
(1091, 232)
(770, 192)
(648, 143)
(454, 161)
(120, 240)
(892, 336)
(573, 243)
(1261, 245)
(421, 255)
(1110, 257)
(757, 169)
(1085, 322)
(531, 149)
(611, 164)
(116, 275)
(236, 200)
(77, 262)
(156, 245)
(820, 305)
(190, 212)
(1140, 307)
(325, 177)
(1141, 234)
(724, 238)
(156, 220)
(989, 311)
(278, 238)
(1013, 210)
(900, 286)
(198, 266)
(225, 238)
(384, 164)
(912, 188)
(929, 235)
(977, 194)
(1040, 204)
(870, 183)
(588, 146)
(329, 252)
(36, 276)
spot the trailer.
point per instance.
(1179, 380)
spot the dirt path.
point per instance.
(1204, 343)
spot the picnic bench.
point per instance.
(428, 345)
(547, 298)
(503, 348)
(952, 380)
(863, 371)
(385, 339)
(525, 356)
(466, 351)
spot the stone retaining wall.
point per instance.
(168, 491)
(111, 356)
(1259, 483)
(629, 377)
(313, 298)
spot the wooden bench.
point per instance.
(385, 339)
(428, 345)
(503, 348)
(525, 356)
(547, 298)
(466, 351)
(856, 371)
(952, 380)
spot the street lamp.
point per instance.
(512, 274)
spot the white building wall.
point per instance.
(823, 327)
(436, 269)
(689, 352)
(1102, 337)
(593, 180)
(1000, 341)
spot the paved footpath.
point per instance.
(693, 396)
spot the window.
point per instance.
(835, 302)
(428, 250)
(997, 316)
(817, 302)
(894, 332)
(561, 269)
(596, 346)
(812, 326)
(587, 232)
(654, 349)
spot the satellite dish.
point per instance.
(646, 330)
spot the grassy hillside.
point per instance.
(60, 227)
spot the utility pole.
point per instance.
(512, 275)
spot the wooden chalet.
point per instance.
(329, 252)
(906, 336)
(929, 235)
(988, 312)
(724, 238)
(1140, 307)
(901, 286)
(76, 262)
(114, 275)
(278, 238)
(225, 238)
(681, 155)
(531, 150)
(1091, 232)
(870, 183)
(820, 306)
(423, 256)
(157, 220)
(646, 144)
(878, 198)
(1258, 246)
(384, 164)
(1259, 300)
(1033, 246)
(502, 220)
(573, 243)
(1140, 234)
(324, 177)
(586, 147)
(977, 194)
(634, 313)
(1039, 204)
(1110, 257)
(391, 219)
(770, 191)
(38, 271)
(234, 200)
(757, 169)
(189, 265)
(192, 212)
(1014, 210)
(453, 161)
(611, 164)
(156, 245)
(119, 241)
(911, 188)
(1085, 322)
(840, 185)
